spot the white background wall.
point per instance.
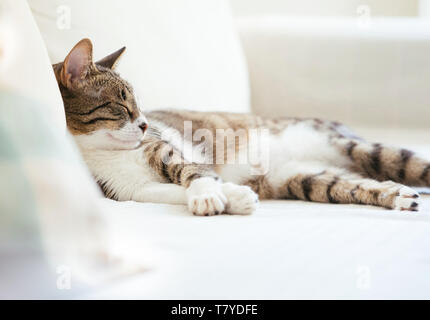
(325, 7)
(333, 60)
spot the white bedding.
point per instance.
(287, 249)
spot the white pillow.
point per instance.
(48, 200)
(24, 63)
(180, 53)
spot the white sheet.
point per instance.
(287, 249)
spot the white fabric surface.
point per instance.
(47, 196)
(180, 53)
(24, 64)
(34, 138)
(287, 249)
(375, 74)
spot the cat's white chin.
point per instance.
(108, 140)
(126, 144)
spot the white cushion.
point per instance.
(47, 194)
(179, 53)
(24, 63)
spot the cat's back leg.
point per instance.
(331, 187)
(383, 163)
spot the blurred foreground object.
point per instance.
(52, 240)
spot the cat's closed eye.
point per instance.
(130, 114)
(123, 95)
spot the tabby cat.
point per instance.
(149, 158)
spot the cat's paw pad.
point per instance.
(205, 197)
(240, 199)
(406, 199)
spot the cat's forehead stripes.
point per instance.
(98, 102)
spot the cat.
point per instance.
(145, 157)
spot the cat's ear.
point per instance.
(77, 64)
(111, 60)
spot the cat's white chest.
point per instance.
(123, 167)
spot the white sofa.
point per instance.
(293, 249)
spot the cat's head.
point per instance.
(101, 108)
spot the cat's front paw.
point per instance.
(240, 199)
(205, 197)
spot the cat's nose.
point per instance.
(143, 126)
